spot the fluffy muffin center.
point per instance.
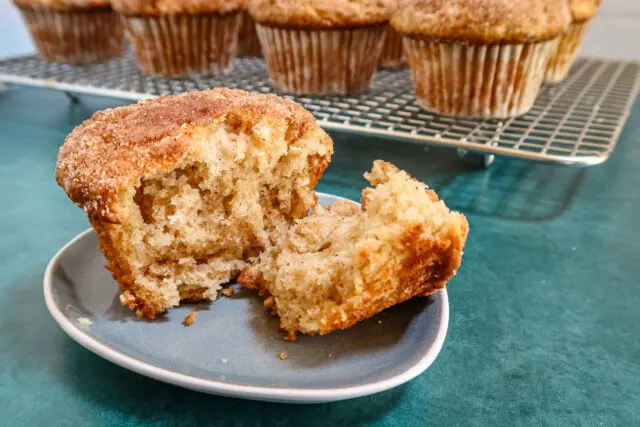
(191, 229)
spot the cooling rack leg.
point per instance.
(479, 160)
(488, 159)
(72, 97)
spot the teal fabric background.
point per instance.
(544, 311)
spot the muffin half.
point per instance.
(177, 38)
(73, 31)
(480, 58)
(184, 191)
(343, 264)
(321, 47)
(582, 12)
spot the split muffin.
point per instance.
(184, 191)
(177, 38)
(73, 31)
(480, 58)
(582, 12)
(321, 47)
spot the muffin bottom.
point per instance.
(470, 80)
(182, 45)
(77, 36)
(566, 52)
(332, 61)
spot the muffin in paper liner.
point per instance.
(181, 45)
(79, 36)
(566, 52)
(475, 80)
(248, 42)
(392, 55)
(328, 61)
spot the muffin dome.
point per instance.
(484, 21)
(174, 7)
(62, 4)
(321, 14)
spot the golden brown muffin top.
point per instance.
(583, 10)
(62, 4)
(483, 21)
(176, 7)
(116, 147)
(321, 14)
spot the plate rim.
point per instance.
(272, 394)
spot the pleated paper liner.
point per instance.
(392, 55)
(182, 45)
(75, 36)
(333, 61)
(472, 80)
(566, 52)
(248, 42)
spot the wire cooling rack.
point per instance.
(575, 122)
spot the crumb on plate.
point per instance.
(283, 356)
(191, 318)
(227, 292)
(85, 321)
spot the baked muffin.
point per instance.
(480, 58)
(73, 31)
(177, 38)
(582, 11)
(321, 47)
(344, 264)
(183, 191)
(248, 42)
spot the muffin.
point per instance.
(321, 47)
(582, 11)
(73, 31)
(480, 58)
(184, 191)
(177, 38)
(343, 264)
(248, 42)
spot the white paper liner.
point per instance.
(337, 61)
(182, 45)
(566, 52)
(471, 80)
(77, 36)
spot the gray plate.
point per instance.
(232, 349)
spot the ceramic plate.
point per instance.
(232, 349)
